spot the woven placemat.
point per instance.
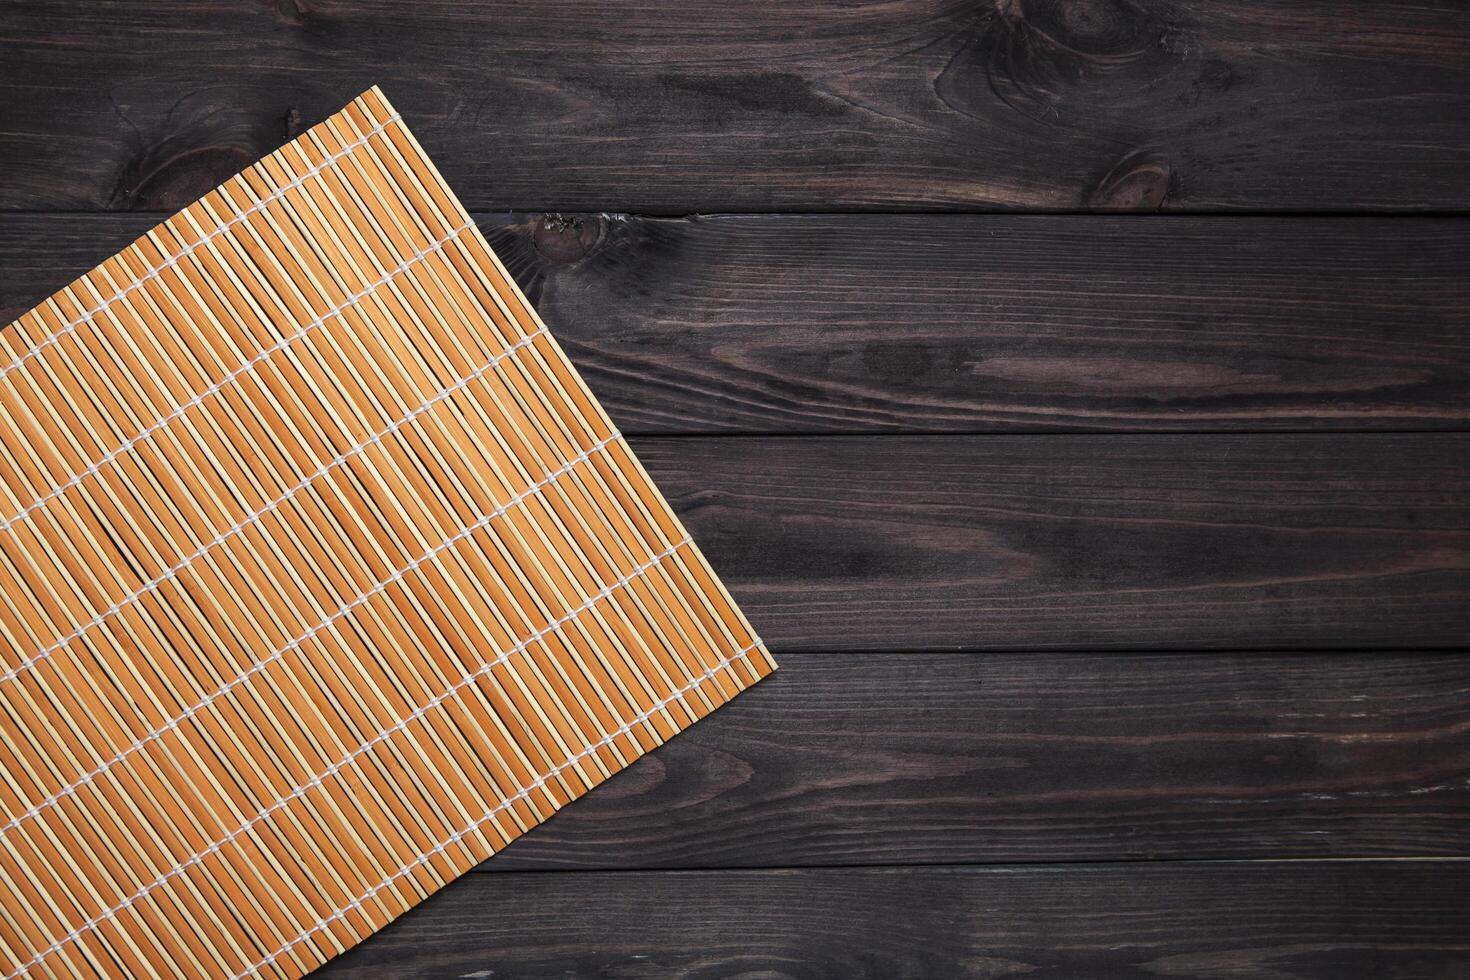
(322, 576)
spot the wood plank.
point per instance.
(860, 323)
(1282, 921)
(816, 105)
(1142, 542)
(916, 758)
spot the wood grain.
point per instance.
(1269, 920)
(871, 759)
(877, 323)
(858, 323)
(812, 105)
(1167, 542)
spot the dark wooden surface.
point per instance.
(1079, 542)
(1279, 920)
(671, 106)
(953, 758)
(1118, 566)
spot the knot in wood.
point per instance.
(567, 239)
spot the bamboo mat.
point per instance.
(322, 577)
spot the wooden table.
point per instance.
(1117, 566)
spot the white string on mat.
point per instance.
(276, 655)
(419, 712)
(260, 512)
(173, 260)
(489, 815)
(219, 385)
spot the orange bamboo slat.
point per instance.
(322, 576)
